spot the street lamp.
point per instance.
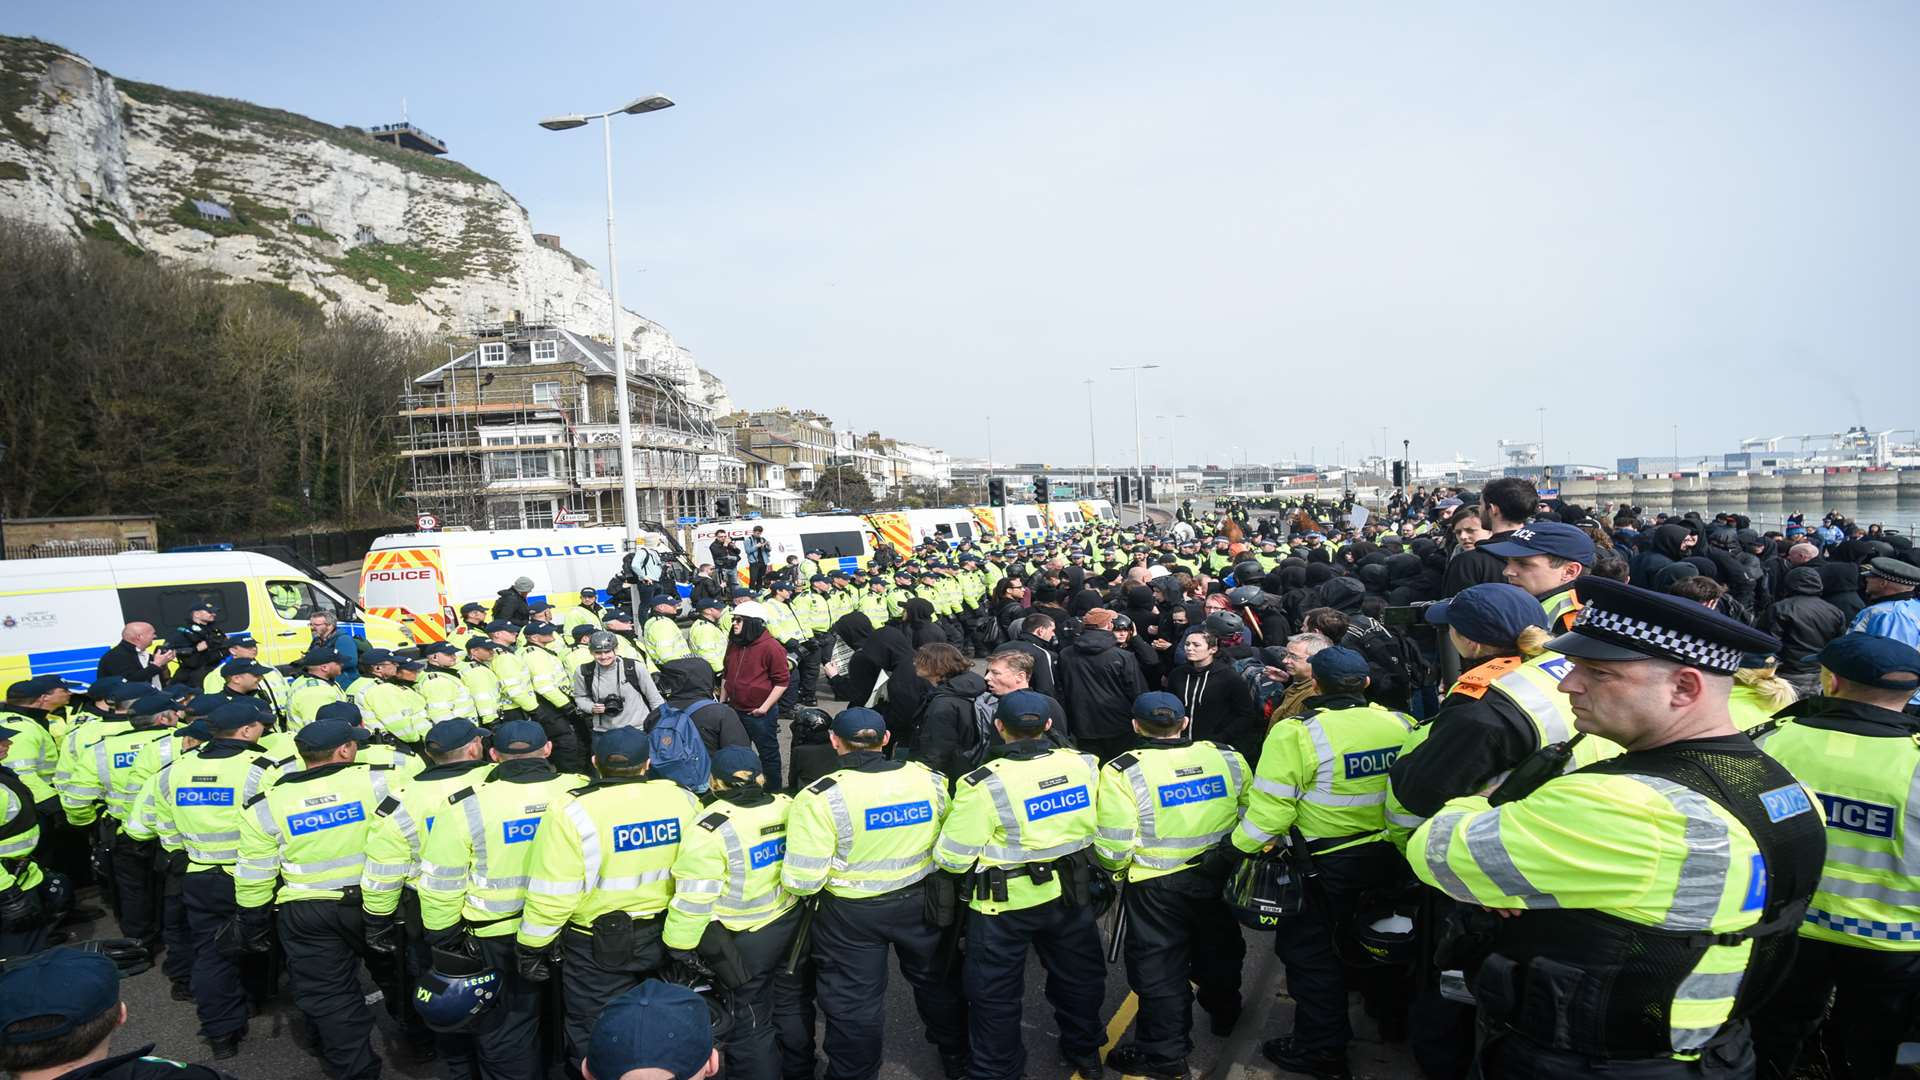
(1093, 450)
(1139, 457)
(629, 496)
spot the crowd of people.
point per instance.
(1543, 786)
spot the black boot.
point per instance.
(1087, 1064)
(225, 1046)
(1321, 1065)
(1127, 1060)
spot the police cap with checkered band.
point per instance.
(1621, 622)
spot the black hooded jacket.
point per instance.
(1098, 681)
(1660, 549)
(945, 728)
(1221, 705)
(1803, 620)
(687, 683)
(1841, 587)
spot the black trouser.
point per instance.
(806, 681)
(793, 1018)
(1874, 996)
(756, 575)
(30, 935)
(322, 940)
(1506, 1056)
(1316, 975)
(219, 995)
(752, 1050)
(567, 754)
(177, 964)
(138, 886)
(100, 846)
(1067, 941)
(1440, 1032)
(63, 847)
(591, 979)
(1180, 937)
(510, 1048)
(851, 939)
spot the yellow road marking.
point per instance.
(1116, 1027)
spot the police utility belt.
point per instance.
(1075, 873)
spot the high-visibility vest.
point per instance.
(729, 868)
(1163, 804)
(445, 693)
(309, 694)
(483, 686)
(633, 829)
(1324, 772)
(474, 865)
(1034, 805)
(308, 833)
(400, 827)
(893, 810)
(664, 640)
(195, 802)
(709, 643)
(34, 755)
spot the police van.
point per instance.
(57, 616)
(845, 541)
(422, 579)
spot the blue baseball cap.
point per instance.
(1159, 708)
(128, 691)
(1871, 660)
(1492, 613)
(543, 628)
(40, 686)
(1341, 666)
(64, 984)
(1555, 538)
(733, 762)
(328, 734)
(449, 735)
(498, 625)
(154, 705)
(243, 667)
(373, 657)
(480, 643)
(317, 655)
(1023, 710)
(518, 737)
(439, 648)
(622, 748)
(198, 729)
(656, 1025)
(344, 711)
(859, 723)
(236, 714)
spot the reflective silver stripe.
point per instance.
(509, 906)
(1704, 987)
(1405, 821)
(20, 845)
(342, 881)
(1275, 788)
(537, 931)
(437, 880)
(806, 862)
(355, 860)
(1123, 836)
(1254, 831)
(263, 813)
(555, 888)
(380, 886)
(1327, 798)
(212, 856)
(697, 886)
(878, 887)
(1203, 840)
(1439, 842)
(1538, 706)
(1869, 890)
(1003, 806)
(500, 882)
(409, 832)
(242, 872)
(736, 859)
(1143, 808)
(1703, 873)
(1018, 855)
(634, 881)
(689, 906)
(901, 862)
(1160, 862)
(842, 825)
(589, 833)
(477, 840)
(1323, 761)
(1493, 859)
(210, 837)
(1235, 769)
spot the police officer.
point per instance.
(441, 686)
(585, 613)
(661, 632)
(243, 676)
(200, 645)
(272, 686)
(600, 877)
(873, 602)
(815, 616)
(1160, 805)
(1652, 897)
(31, 706)
(59, 1010)
(473, 882)
(730, 912)
(318, 686)
(388, 701)
(1860, 754)
(550, 680)
(1546, 558)
(482, 684)
(517, 698)
(708, 634)
(24, 920)
(308, 835)
(1018, 828)
(1893, 605)
(1321, 787)
(196, 805)
(862, 837)
(107, 779)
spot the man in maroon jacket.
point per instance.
(756, 676)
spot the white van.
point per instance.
(421, 580)
(57, 616)
(844, 541)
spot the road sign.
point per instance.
(569, 517)
(426, 522)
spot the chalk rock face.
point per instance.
(255, 194)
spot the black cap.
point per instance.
(65, 985)
(1624, 622)
(450, 735)
(328, 734)
(1870, 660)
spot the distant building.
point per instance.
(523, 428)
(102, 534)
(407, 137)
(212, 211)
(547, 240)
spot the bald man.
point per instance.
(135, 659)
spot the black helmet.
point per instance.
(1224, 624)
(1245, 572)
(128, 955)
(1383, 928)
(458, 995)
(1262, 891)
(809, 725)
(1122, 622)
(1245, 595)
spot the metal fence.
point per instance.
(61, 549)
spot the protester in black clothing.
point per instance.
(1507, 503)
(1217, 698)
(1098, 681)
(1036, 640)
(944, 726)
(511, 604)
(687, 684)
(891, 650)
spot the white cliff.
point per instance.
(327, 212)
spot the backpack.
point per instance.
(679, 753)
(1396, 668)
(984, 735)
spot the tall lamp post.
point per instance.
(1093, 449)
(629, 496)
(1139, 457)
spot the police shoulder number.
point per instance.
(978, 775)
(822, 785)
(712, 821)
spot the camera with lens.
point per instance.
(613, 703)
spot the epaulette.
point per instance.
(463, 793)
(387, 806)
(257, 796)
(1474, 683)
(382, 768)
(822, 785)
(1123, 762)
(712, 821)
(978, 775)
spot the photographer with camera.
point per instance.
(613, 691)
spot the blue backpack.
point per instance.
(679, 753)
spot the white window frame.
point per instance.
(551, 349)
(547, 391)
(493, 353)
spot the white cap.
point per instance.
(751, 610)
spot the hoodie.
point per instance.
(945, 729)
(1221, 705)
(1098, 681)
(1661, 548)
(1803, 620)
(688, 684)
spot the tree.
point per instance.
(840, 486)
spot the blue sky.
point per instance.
(1318, 222)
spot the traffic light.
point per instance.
(723, 506)
(1042, 490)
(996, 492)
(1146, 489)
(1120, 494)
(1399, 474)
